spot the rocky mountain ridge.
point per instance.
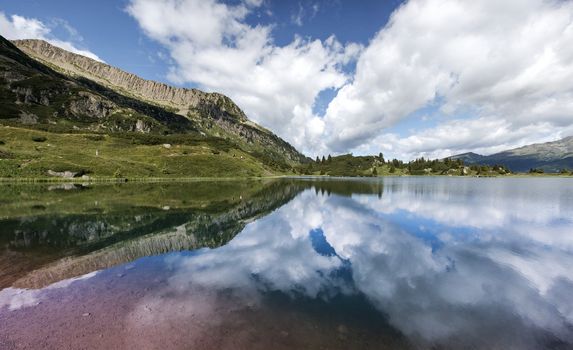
(213, 114)
(181, 99)
(51, 89)
(33, 94)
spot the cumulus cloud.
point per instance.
(509, 62)
(213, 47)
(17, 27)
(497, 75)
(484, 135)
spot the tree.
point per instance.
(381, 157)
(374, 172)
(323, 160)
(392, 169)
(317, 159)
(329, 158)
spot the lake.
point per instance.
(385, 263)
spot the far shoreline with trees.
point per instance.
(369, 166)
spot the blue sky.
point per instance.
(443, 77)
(110, 32)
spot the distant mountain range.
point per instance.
(549, 156)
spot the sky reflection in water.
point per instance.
(468, 262)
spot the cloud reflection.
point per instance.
(502, 266)
(17, 298)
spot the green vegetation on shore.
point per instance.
(28, 153)
(349, 165)
(59, 126)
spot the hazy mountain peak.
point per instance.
(550, 156)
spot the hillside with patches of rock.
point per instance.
(47, 88)
(181, 100)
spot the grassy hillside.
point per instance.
(52, 123)
(35, 90)
(32, 153)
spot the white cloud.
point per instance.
(484, 135)
(16, 298)
(297, 17)
(17, 27)
(304, 11)
(511, 62)
(213, 47)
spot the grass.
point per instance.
(109, 156)
(27, 154)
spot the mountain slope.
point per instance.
(469, 157)
(180, 100)
(33, 94)
(549, 156)
(92, 128)
(214, 114)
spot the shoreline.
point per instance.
(31, 180)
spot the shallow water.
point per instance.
(420, 262)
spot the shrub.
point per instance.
(2, 142)
(95, 137)
(83, 172)
(39, 139)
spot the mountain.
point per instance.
(549, 156)
(47, 89)
(469, 157)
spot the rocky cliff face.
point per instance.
(32, 93)
(181, 99)
(211, 114)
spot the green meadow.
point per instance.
(29, 153)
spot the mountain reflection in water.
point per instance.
(292, 263)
